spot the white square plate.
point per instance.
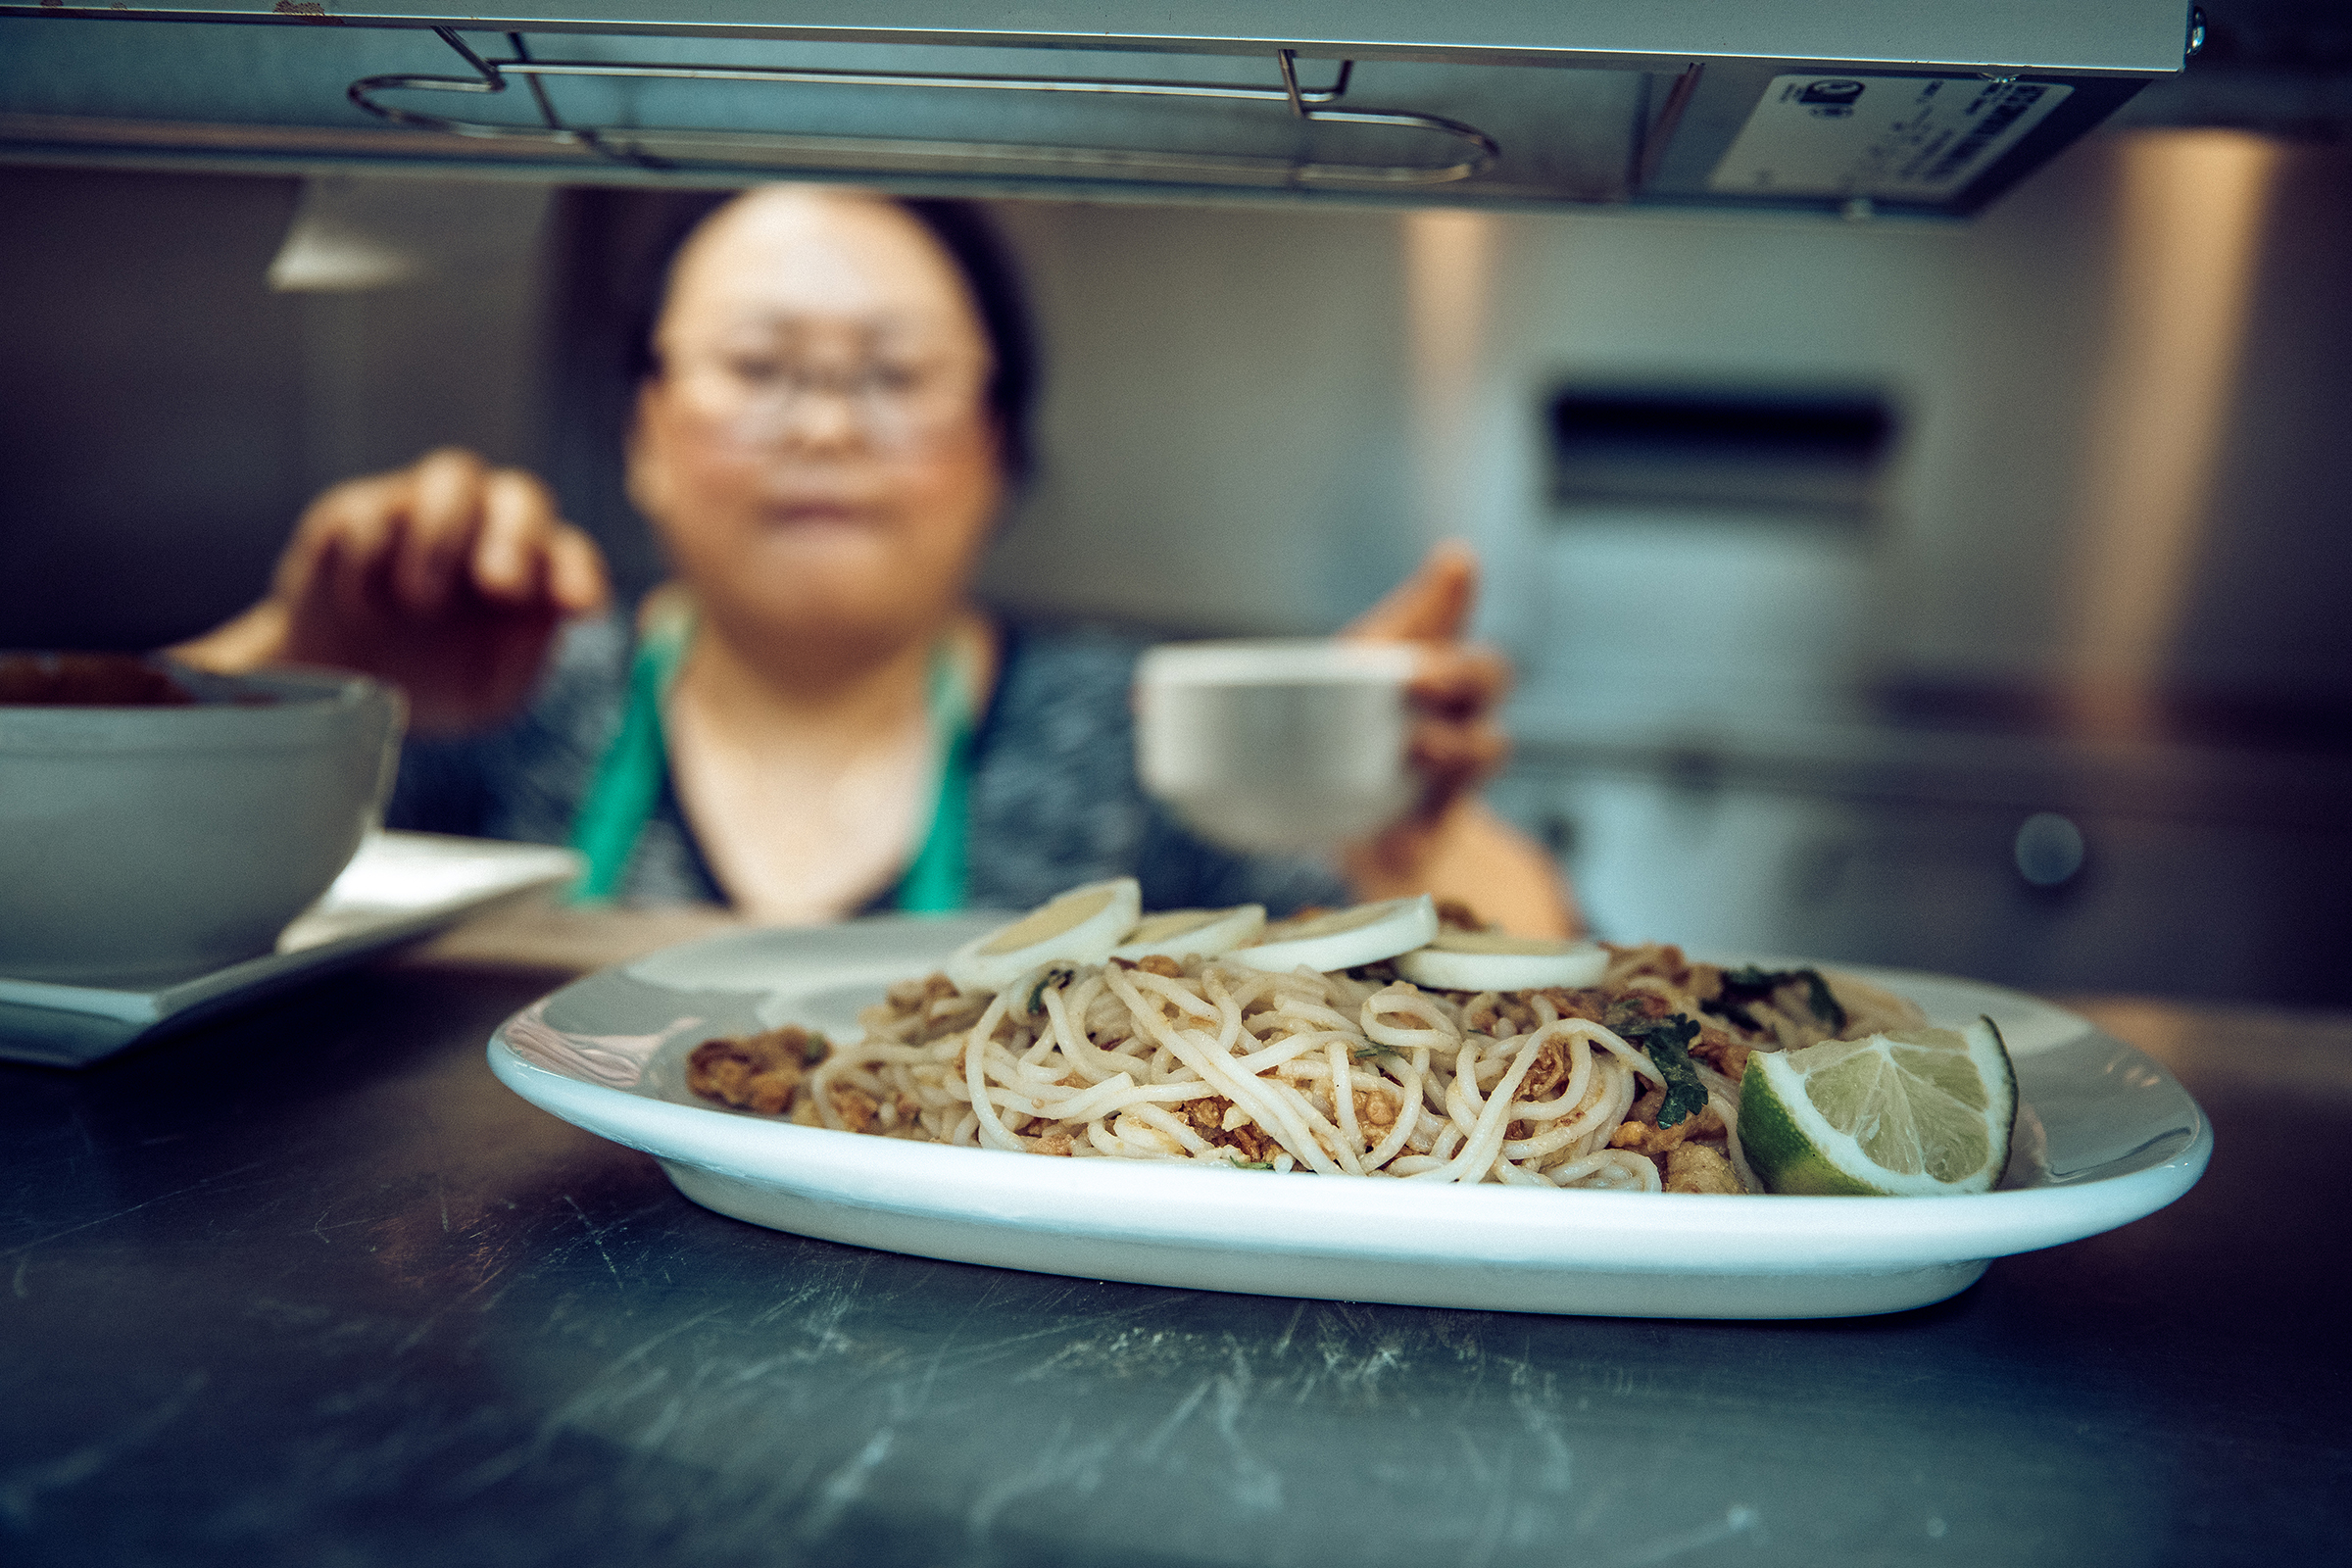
(398, 887)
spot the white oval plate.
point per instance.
(2105, 1136)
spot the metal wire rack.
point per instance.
(1472, 150)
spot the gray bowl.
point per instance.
(145, 843)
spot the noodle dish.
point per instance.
(1398, 1039)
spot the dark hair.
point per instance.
(962, 229)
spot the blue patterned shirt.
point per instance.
(1053, 799)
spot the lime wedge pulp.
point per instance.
(1910, 1112)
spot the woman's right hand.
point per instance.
(447, 579)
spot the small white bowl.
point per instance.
(1279, 745)
(140, 844)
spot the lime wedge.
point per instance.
(1910, 1112)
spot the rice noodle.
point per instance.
(1339, 1074)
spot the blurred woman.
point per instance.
(814, 717)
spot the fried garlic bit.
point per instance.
(755, 1072)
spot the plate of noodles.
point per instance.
(1493, 1152)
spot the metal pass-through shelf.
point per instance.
(1853, 107)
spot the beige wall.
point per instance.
(2118, 450)
(164, 414)
(1219, 435)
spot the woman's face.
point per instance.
(815, 448)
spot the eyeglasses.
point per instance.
(898, 400)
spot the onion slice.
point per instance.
(1193, 933)
(1490, 961)
(1344, 937)
(1080, 926)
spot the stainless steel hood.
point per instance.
(1851, 107)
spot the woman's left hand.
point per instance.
(1457, 743)
(1451, 846)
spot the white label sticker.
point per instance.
(1892, 138)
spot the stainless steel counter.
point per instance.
(308, 1287)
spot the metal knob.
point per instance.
(2049, 849)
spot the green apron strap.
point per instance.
(935, 884)
(627, 785)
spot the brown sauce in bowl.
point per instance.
(89, 680)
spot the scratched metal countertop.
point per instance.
(308, 1286)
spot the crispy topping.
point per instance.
(757, 1072)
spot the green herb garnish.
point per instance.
(1668, 1042)
(1373, 1051)
(1253, 1164)
(1053, 979)
(1751, 984)
(1823, 1001)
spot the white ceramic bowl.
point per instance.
(140, 844)
(1277, 744)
